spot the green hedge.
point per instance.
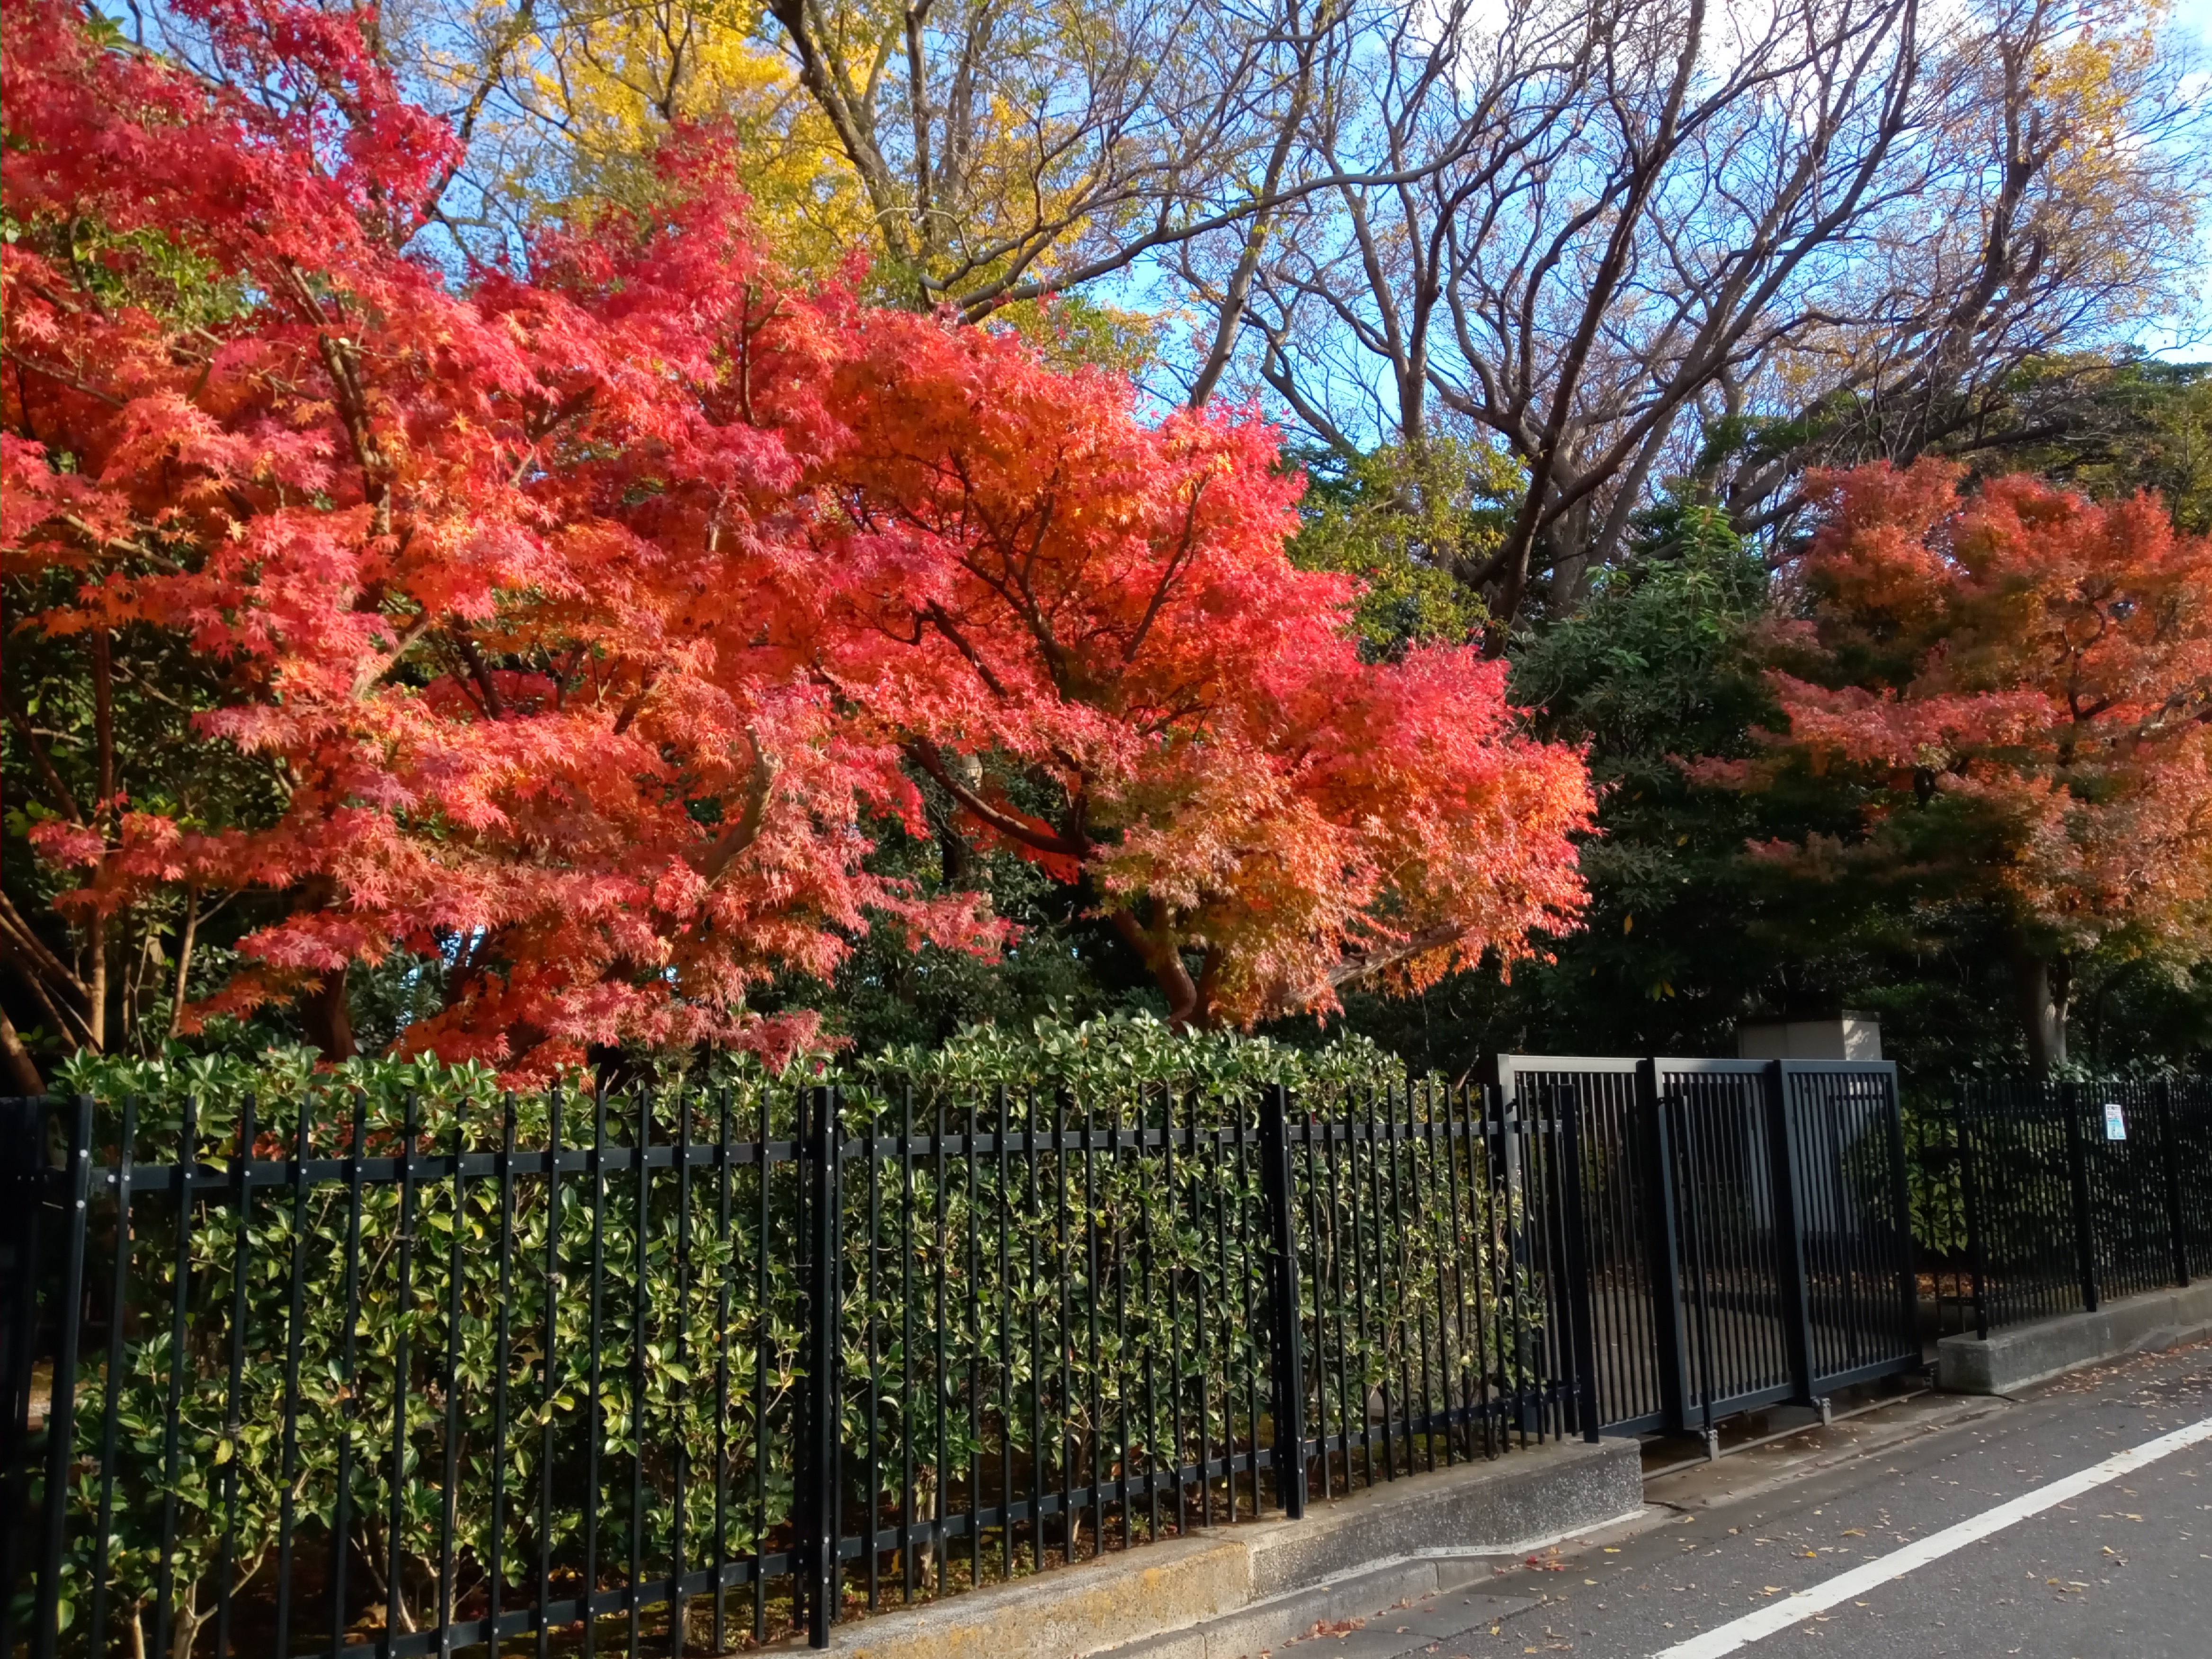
(1030, 1262)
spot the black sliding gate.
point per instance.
(1748, 1230)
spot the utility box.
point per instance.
(1834, 1036)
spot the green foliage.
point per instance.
(891, 992)
(1074, 331)
(1414, 525)
(632, 1347)
(2109, 429)
(1658, 663)
(1103, 1060)
(1658, 667)
(143, 267)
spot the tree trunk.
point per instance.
(1160, 949)
(22, 1075)
(329, 1020)
(2042, 987)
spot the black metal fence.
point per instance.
(2076, 1191)
(1749, 1232)
(440, 1375)
(429, 1374)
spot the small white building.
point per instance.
(1846, 1036)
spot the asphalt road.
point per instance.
(2123, 1571)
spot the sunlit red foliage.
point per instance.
(590, 618)
(1028, 576)
(2022, 680)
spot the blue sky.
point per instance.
(2194, 19)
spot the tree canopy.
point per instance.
(574, 634)
(2017, 688)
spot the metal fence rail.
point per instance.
(436, 1374)
(2078, 1191)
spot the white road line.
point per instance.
(1803, 1604)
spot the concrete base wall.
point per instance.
(1399, 1540)
(2008, 1360)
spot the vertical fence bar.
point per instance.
(679, 1605)
(61, 1401)
(639, 1329)
(1666, 1252)
(719, 1639)
(816, 1475)
(227, 1449)
(764, 1336)
(1286, 1337)
(1970, 1192)
(1900, 1197)
(295, 1317)
(349, 1408)
(2077, 1168)
(549, 1385)
(117, 1293)
(594, 1405)
(165, 1577)
(403, 1322)
(1579, 1300)
(449, 1379)
(495, 1580)
(1796, 1299)
(23, 1179)
(2170, 1159)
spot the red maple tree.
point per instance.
(587, 619)
(1035, 589)
(2020, 681)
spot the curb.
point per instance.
(1814, 1449)
(2009, 1360)
(1231, 1590)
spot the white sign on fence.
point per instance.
(2116, 1126)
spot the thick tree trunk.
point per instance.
(328, 1019)
(22, 1075)
(2042, 987)
(1159, 947)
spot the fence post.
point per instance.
(1286, 1334)
(817, 1475)
(2170, 1155)
(1796, 1302)
(2077, 1166)
(61, 1400)
(1579, 1299)
(1666, 1252)
(21, 1175)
